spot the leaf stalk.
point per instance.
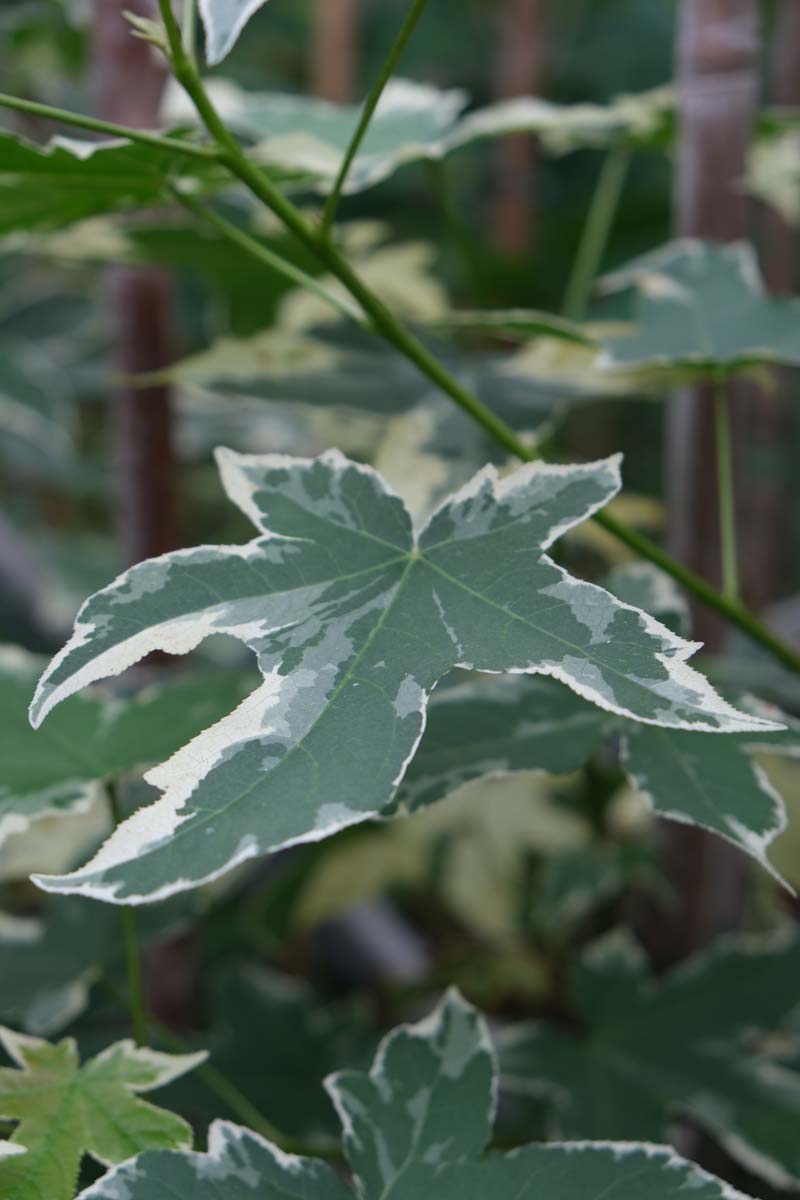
(133, 958)
(367, 113)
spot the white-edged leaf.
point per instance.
(354, 619)
(223, 21)
(685, 1045)
(92, 738)
(65, 1109)
(773, 172)
(416, 1125)
(48, 187)
(307, 137)
(479, 729)
(701, 308)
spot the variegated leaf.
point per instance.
(416, 1125)
(692, 1045)
(477, 730)
(414, 122)
(92, 738)
(496, 727)
(354, 619)
(48, 187)
(65, 1109)
(702, 308)
(224, 21)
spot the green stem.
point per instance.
(256, 249)
(189, 25)
(367, 113)
(95, 125)
(238, 1104)
(230, 153)
(133, 959)
(596, 231)
(726, 491)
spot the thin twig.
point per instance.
(726, 490)
(96, 125)
(367, 113)
(133, 959)
(596, 231)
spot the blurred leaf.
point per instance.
(682, 1046)
(702, 309)
(93, 738)
(416, 1125)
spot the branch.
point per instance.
(372, 102)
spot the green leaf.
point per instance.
(49, 962)
(416, 1125)
(702, 308)
(307, 137)
(47, 187)
(713, 782)
(496, 727)
(65, 1110)
(689, 1045)
(92, 738)
(354, 619)
(477, 730)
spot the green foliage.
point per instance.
(702, 309)
(417, 1124)
(66, 1109)
(93, 738)
(354, 619)
(693, 1045)
(436, 827)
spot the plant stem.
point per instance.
(385, 324)
(367, 113)
(726, 490)
(96, 125)
(133, 959)
(189, 25)
(594, 238)
(263, 254)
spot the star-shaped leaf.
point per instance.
(354, 619)
(66, 1109)
(697, 778)
(92, 738)
(416, 1125)
(48, 187)
(685, 1046)
(702, 309)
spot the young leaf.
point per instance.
(354, 620)
(416, 1125)
(47, 187)
(92, 738)
(65, 1110)
(674, 1047)
(224, 20)
(702, 308)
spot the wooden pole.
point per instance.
(129, 78)
(335, 49)
(718, 81)
(519, 71)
